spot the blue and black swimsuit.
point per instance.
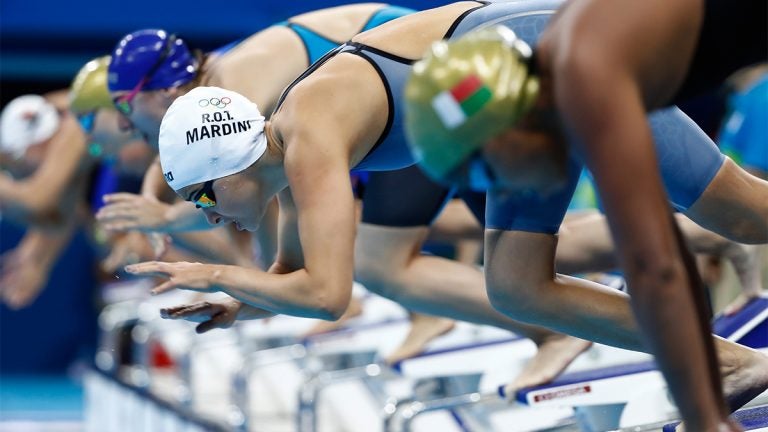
(398, 194)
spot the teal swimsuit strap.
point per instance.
(385, 14)
(315, 44)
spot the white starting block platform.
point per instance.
(474, 359)
(635, 394)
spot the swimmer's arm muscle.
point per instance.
(315, 250)
(610, 119)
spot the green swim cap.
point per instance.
(88, 91)
(464, 92)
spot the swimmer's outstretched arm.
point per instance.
(126, 211)
(312, 276)
(39, 197)
(212, 315)
(585, 245)
(24, 270)
(610, 119)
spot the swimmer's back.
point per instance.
(250, 67)
(339, 23)
(409, 37)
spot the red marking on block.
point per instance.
(561, 393)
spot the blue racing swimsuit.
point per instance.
(688, 159)
(318, 45)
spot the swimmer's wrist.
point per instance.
(216, 278)
(169, 217)
(248, 312)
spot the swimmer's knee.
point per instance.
(378, 277)
(512, 297)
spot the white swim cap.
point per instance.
(26, 121)
(209, 133)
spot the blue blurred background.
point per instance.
(49, 40)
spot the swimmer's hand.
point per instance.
(22, 279)
(212, 315)
(747, 263)
(126, 211)
(209, 315)
(181, 275)
(134, 247)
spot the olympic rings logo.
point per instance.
(220, 103)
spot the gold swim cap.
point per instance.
(464, 92)
(89, 88)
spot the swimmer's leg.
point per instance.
(522, 284)
(734, 205)
(585, 246)
(389, 262)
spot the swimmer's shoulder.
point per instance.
(343, 100)
(268, 49)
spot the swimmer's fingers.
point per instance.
(117, 258)
(138, 214)
(183, 282)
(166, 286)
(112, 261)
(126, 250)
(117, 213)
(12, 258)
(151, 268)
(181, 275)
(209, 315)
(7, 279)
(122, 197)
(120, 207)
(196, 312)
(213, 324)
(22, 285)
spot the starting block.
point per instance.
(636, 394)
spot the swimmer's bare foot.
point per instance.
(554, 354)
(745, 375)
(424, 329)
(354, 309)
(747, 264)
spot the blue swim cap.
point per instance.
(163, 59)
